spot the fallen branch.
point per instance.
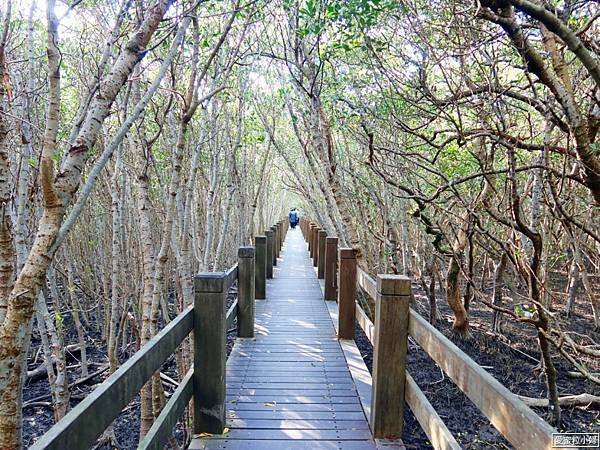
(580, 375)
(32, 402)
(568, 400)
(41, 371)
(167, 379)
(586, 350)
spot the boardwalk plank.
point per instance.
(292, 392)
(297, 424)
(300, 415)
(290, 399)
(281, 444)
(267, 434)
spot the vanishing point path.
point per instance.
(291, 386)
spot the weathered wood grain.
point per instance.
(365, 323)
(389, 355)
(331, 265)
(245, 326)
(269, 256)
(366, 283)
(347, 293)
(321, 253)
(210, 330)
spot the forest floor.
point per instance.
(511, 360)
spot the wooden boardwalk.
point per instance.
(291, 386)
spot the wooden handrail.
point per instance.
(366, 283)
(231, 275)
(231, 315)
(81, 427)
(365, 323)
(159, 432)
(521, 426)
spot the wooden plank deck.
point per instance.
(290, 387)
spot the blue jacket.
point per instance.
(293, 216)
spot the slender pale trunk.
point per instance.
(77, 319)
(210, 213)
(497, 292)
(404, 239)
(22, 235)
(148, 262)
(7, 249)
(115, 262)
(250, 226)
(144, 208)
(55, 326)
(224, 234)
(573, 281)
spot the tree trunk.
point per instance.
(497, 292)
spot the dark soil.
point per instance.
(511, 360)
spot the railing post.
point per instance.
(321, 254)
(275, 241)
(315, 255)
(245, 318)
(306, 227)
(347, 293)
(309, 240)
(389, 355)
(331, 264)
(279, 231)
(269, 253)
(260, 267)
(209, 353)
(280, 240)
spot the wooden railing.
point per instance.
(205, 381)
(392, 385)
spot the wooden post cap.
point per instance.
(388, 284)
(260, 240)
(347, 253)
(246, 252)
(209, 281)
